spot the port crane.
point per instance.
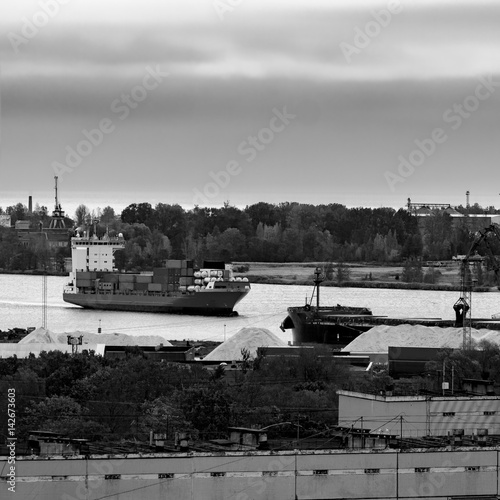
(463, 305)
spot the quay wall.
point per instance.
(332, 474)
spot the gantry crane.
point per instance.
(463, 306)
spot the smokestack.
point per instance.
(30, 204)
(467, 193)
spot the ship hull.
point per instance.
(211, 303)
(336, 326)
(340, 326)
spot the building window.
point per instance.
(448, 414)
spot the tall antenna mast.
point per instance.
(57, 204)
(57, 221)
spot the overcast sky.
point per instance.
(364, 103)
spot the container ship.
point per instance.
(178, 287)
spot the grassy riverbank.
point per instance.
(447, 275)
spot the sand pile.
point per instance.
(379, 338)
(43, 336)
(248, 338)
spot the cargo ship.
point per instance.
(178, 287)
(340, 325)
(314, 324)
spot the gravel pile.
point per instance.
(379, 338)
(43, 336)
(249, 338)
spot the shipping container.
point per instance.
(142, 287)
(127, 278)
(110, 278)
(87, 275)
(126, 286)
(160, 275)
(154, 287)
(186, 281)
(144, 278)
(174, 264)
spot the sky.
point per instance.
(364, 103)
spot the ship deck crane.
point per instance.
(463, 306)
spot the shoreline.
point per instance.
(367, 284)
(363, 275)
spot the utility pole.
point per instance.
(44, 299)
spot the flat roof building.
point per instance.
(418, 416)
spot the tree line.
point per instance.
(262, 232)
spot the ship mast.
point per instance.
(317, 281)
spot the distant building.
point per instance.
(474, 222)
(180, 354)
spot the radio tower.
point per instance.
(57, 221)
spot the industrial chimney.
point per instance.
(467, 193)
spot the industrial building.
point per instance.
(418, 416)
(436, 474)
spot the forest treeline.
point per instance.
(263, 232)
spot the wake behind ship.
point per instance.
(176, 288)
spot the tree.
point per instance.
(343, 273)
(412, 271)
(63, 415)
(108, 215)
(209, 409)
(82, 214)
(171, 220)
(17, 212)
(142, 213)
(162, 415)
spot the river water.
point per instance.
(21, 299)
